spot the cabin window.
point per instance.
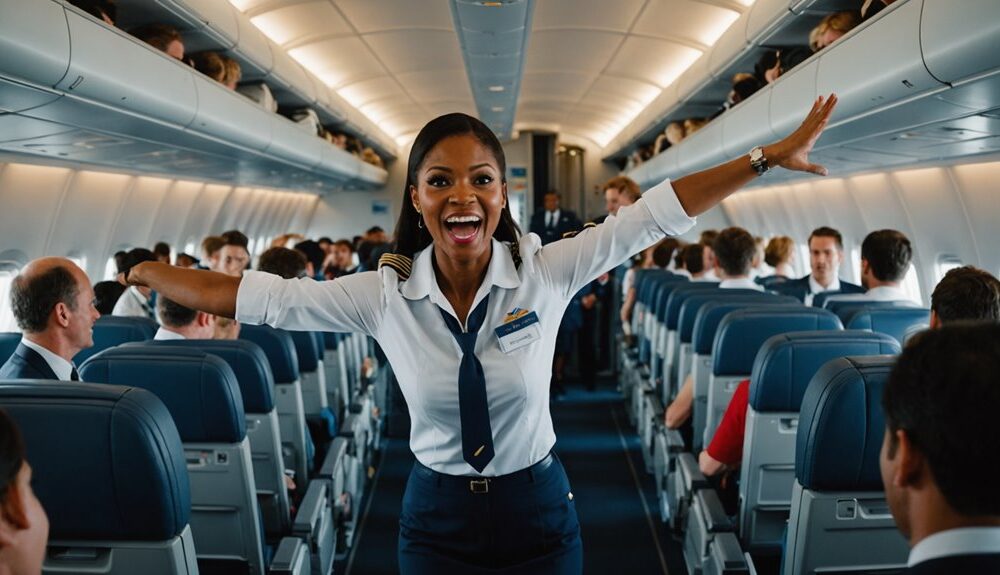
(911, 285)
(944, 265)
(855, 265)
(8, 271)
(801, 265)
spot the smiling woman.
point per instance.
(467, 312)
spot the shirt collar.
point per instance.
(422, 282)
(963, 541)
(815, 287)
(745, 283)
(164, 334)
(887, 293)
(62, 368)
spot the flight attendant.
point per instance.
(467, 312)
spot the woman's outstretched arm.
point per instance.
(203, 290)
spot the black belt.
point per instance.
(478, 484)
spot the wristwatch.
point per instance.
(757, 161)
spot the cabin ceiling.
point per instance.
(589, 67)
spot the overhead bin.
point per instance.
(701, 149)
(34, 53)
(229, 116)
(289, 82)
(290, 143)
(253, 50)
(792, 97)
(729, 46)
(960, 43)
(205, 24)
(748, 128)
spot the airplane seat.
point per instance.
(840, 520)
(781, 372)
(657, 311)
(312, 374)
(331, 364)
(672, 314)
(112, 330)
(204, 399)
(8, 343)
(892, 321)
(116, 488)
(279, 347)
(846, 310)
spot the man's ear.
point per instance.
(909, 462)
(205, 319)
(935, 320)
(61, 312)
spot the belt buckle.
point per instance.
(479, 485)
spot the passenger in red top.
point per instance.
(726, 450)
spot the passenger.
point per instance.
(759, 267)
(283, 262)
(136, 301)
(965, 293)
(326, 244)
(826, 253)
(832, 27)
(698, 260)
(24, 527)
(778, 254)
(184, 260)
(179, 322)
(734, 250)
(489, 436)
(692, 125)
(672, 135)
(552, 222)
(707, 238)
(234, 72)
(941, 403)
(210, 64)
(315, 256)
(210, 248)
(885, 259)
(657, 256)
(162, 252)
(783, 62)
(619, 192)
(678, 266)
(283, 240)
(162, 37)
(100, 9)
(106, 295)
(343, 260)
(234, 257)
(120, 261)
(53, 303)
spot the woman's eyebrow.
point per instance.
(441, 168)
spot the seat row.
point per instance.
(250, 417)
(808, 481)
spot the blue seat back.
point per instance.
(787, 363)
(279, 348)
(693, 304)
(741, 333)
(108, 461)
(846, 310)
(820, 299)
(659, 306)
(306, 350)
(841, 425)
(199, 389)
(678, 296)
(710, 315)
(245, 358)
(330, 340)
(893, 321)
(8, 343)
(112, 330)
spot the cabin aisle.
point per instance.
(597, 448)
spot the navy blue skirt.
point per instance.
(520, 523)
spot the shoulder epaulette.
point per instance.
(402, 264)
(585, 226)
(515, 254)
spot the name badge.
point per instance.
(520, 329)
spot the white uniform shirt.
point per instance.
(132, 304)
(962, 541)
(405, 318)
(815, 288)
(164, 334)
(740, 283)
(62, 368)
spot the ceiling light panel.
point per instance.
(685, 20)
(615, 16)
(370, 16)
(302, 21)
(339, 61)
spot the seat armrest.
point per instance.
(291, 558)
(350, 423)
(716, 520)
(725, 556)
(694, 479)
(308, 518)
(655, 404)
(673, 440)
(334, 457)
(751, 568)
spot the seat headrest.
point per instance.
(841, 425)
(679, 296)
(247, 360)
(306, 351)
(893, 321)
(279, 348)
(786, 363)
(199, 389)
(693, 304)
(111, 330)
(710, 313)
(8, 343)
(107, 461)
(330, 340)
(846, 310)
(742, 332)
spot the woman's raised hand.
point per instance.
(792, 153)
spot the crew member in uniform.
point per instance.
(467, 311)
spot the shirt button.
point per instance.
(570, 496)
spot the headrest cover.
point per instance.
(306, 350)
(710, 313)
(245, 358)
(108, 462)
(679, 296)
(279, 348)
(894, 321)
(199, 389)
(110, 330)
(742, 332)
(786, 363)
(841, 425)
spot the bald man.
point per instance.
(53, 302)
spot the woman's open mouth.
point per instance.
(463, 229)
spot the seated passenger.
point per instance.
(657, 256)
(885, 259)
(136, 302)
(315, 256)
(939, 456)
(965, 294)
(619, 191)
(782, 61)
(162, 252)
(210, 248)
(826, 252)
(671, 136)
(778, 255)
(832, 27)
(179, 322)
(100, 9)
(234, 72)
(284, 262)
(234, 257)
(734, 250)
(342, 261)
(162, 37)
(210, 64)
(24, 527)
(184, 260)
(53, 303)
(698, 261)
(106, 295)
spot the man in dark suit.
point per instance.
(551, 223)
(826, 252)
(939, 459)
(53, 302)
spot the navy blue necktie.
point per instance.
(474, 412)
(74, 375)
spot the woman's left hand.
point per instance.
(792, 153)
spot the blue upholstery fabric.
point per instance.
(247, 360)
(893, 321)
(306, 350)
(663, 297)
(108, 462)
(111, 330)
(841, 425)
(846, 310)
(279, 348)
(741, 333)
(677, 298)
(199, 389)
(710, 315)
(320, 343)
(693, 304)
(819, 300)
(786, 363)
(330, 340)
(8, 343)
